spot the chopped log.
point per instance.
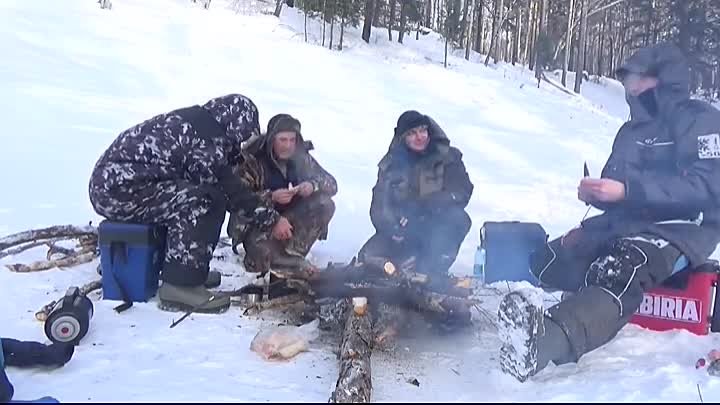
(58, 231)
(86, 289)
(28, 245)
(49, 264)
(354, 382)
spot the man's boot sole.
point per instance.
(520, 325)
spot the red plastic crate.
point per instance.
(685, 301)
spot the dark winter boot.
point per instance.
(198, 299)
(529, 339)
(214, 279)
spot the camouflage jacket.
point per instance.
(197, 145)
(258, 165)
(418, 186)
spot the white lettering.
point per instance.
(690, 313)
(671, 308)
(646, 308)
(668, 308)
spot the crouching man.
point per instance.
(175, 170)
(419, 199)
(280, 169)
(660, 193)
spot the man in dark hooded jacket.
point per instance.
(279, 168)
(419, 199)
(660, 193)
(175, 170)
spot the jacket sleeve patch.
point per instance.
(709, 146)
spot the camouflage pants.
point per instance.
(192, 214)
(309, 218)
(434, 245)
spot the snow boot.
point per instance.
(214, 279)
(198, 299)
(530, 340)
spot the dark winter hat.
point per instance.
(409, 120)
(283, 122)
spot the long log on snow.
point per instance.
(58, 231)
(49, 264)
(354, 382)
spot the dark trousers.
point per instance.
(193, 215)
(608, 278)
(434, 243)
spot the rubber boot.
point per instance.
(214, 279)
(529, 339)
(198, 299)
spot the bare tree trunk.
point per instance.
(533, 33)
(469, 25)
(403, 18)
(342, 27)
(447, 35)
(367, 24)
(497, 22)
(542, 33)
(428, 13)
(518, 36)
(278, 8)
(324, 18)
(581, 45)
(391, 18)
(528, 32)
(480, 29)
(568, 43)
(305, 12)
(332, 28)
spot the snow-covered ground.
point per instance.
(73, 76)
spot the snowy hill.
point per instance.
(73, 76)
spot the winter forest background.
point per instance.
(536, 33)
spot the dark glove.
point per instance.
(28, 354)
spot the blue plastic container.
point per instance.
(131, 256)
(504, 251)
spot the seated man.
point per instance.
(279, 168)
(660, 193)
(175, 170)
(419, 199)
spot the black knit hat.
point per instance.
(409, 120)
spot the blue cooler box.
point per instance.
(504, 251)
(131, 255)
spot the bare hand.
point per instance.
(305, 188)
(283, 195)
(604, 190)
(282, 229)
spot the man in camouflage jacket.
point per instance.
(419, 199)
(280, 169)
(175, 170)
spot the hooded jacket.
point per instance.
(668, 157)
(301, 167)
(197, 145)
(417, 186)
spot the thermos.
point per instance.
(69, 320)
